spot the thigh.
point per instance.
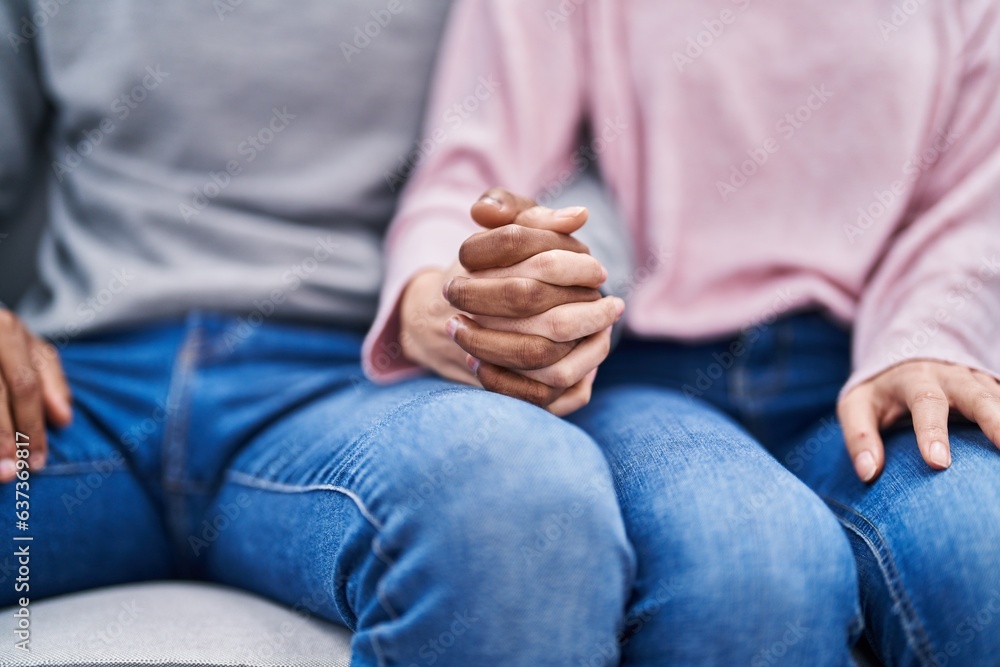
(926, 542)
(735, 556)
(92, 519)
(435, 520)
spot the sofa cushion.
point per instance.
(171, 624)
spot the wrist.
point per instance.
(421, 306)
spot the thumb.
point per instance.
(499, 207)
(860, 424)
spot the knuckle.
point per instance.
(532, 353)
(547, 263)
(933, 397)
(562, 376)
(536, 394)
(520, 293)
(987, 396)
(8, 320)
(458, 291)
(510, 241)
(560, 328)
(25, 385)
(934, 429)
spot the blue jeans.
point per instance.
(443, 524)
(694, 435)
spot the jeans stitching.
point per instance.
(912, 627)
(277, 487)
(76, 467)
(354, 447)
(174, 437)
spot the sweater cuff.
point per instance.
(899, 350)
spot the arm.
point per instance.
(520, 133)
(32, 385)
(926, 331)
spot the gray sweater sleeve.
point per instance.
(22, 119)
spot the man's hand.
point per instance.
(538, 326)
(32, 386)
(928, 391)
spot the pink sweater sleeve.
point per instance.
(936, 292)
(505, 110)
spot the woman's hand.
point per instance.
(524, 309)
(928, 391)
(32, 387)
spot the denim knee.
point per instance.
(771, 572)
(514, 483)
(510, 513)
(930, 552)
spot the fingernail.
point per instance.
(939, 454)
(864, 464)
(570, 212)
(472, 363)
(451, 326)
(492, 201)
(604, 274)
(7, 469)
(447, 286)
(619, 308)
(36, 462)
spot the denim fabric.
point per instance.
(697, 420)
(449, 526)
(443, 524)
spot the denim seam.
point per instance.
(395, 412)
(277, 487)
(174, 437)
(81, 466)
(912, 627)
